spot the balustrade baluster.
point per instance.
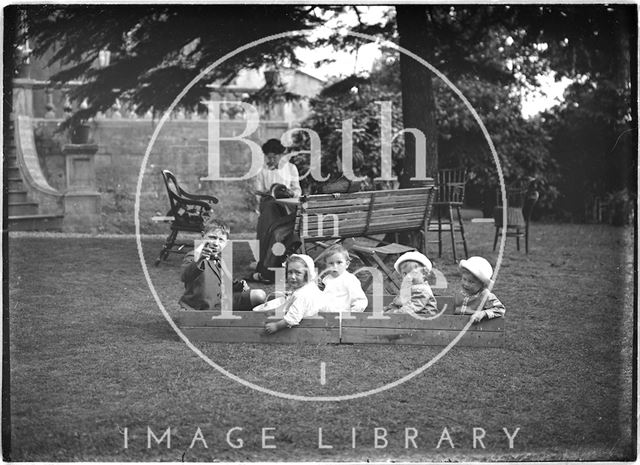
(49, 106)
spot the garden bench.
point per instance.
(360, 328)
(336, 217)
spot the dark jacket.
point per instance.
(202, 285)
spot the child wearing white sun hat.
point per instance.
(476, 276)
(305, 299)
(415, 293)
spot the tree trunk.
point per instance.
(418, 100)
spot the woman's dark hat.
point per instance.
(273, 146)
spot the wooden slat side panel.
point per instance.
(398, 321)
(296, 335)
(428, 337)
(247, 319)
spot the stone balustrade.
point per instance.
(51, 101)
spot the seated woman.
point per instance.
(280, 227)
(275, 171)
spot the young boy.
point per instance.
(341, 289)
(476, 275)
(202, 274)
(415, 294)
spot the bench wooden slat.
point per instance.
(387, 200)
(357, 227)
(357, 230)
(346, 227)
(363, 213)
(397, 193)
(357, 215)
(313, 202)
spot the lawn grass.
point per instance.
(91, 354)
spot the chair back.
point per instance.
(173, 189)
(188, 210)
(451, 184)
(521, 196)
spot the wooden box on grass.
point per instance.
(359, 328)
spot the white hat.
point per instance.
(309, 262)
(413, 256)
(479, 267)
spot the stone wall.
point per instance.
(180, 146)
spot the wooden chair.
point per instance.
(188, 213)
(450, 196)
(521, 198)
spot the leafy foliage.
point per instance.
(522, 145)
(491, 52)
(360, 104)
(594, 139)
(157, 49)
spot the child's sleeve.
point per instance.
(432, 305)
(493, 307)
(422, 299)
(357, 297)
(190, 270)
(294, 184)
(301, 306)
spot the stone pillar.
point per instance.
(81, 198)
(23, 96)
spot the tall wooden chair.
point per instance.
(449, 197)
(188, 213)
(521, 198)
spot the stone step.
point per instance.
(12, 172)
(17, 196)
(15, 183)
(11, 161)
(35, 223)
(23, 208)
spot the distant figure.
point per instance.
(202, 275)
(476, 276)
(306, 298)
(342, 290)
(415, 294)
(278, 178)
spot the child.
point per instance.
(415, 293)
(342, 290)
(202, 274)
(306, 299)
(476, 275)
